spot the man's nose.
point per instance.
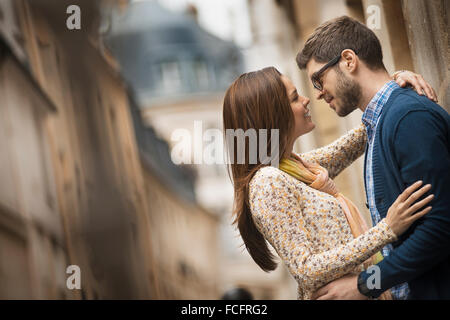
(319, 94)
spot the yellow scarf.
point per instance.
(316, 177)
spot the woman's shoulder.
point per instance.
(269, 178)
(268, 171)
(267, 174)
(272, 188)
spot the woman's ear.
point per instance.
(350, 60)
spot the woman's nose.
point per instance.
(306, 101)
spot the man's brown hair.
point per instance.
(334, 36)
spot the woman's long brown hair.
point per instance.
(256, 100)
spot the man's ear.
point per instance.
(349, 60)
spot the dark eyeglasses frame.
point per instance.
(317, 83)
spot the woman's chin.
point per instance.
(310, 128)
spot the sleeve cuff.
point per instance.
(387, 229)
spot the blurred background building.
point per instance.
(86, 135)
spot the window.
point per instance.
(202, 74)
(171, 76)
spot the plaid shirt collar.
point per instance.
(375, 106)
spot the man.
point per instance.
(408, 140)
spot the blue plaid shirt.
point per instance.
(370, 119)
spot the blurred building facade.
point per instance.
(80, 184)
(179, 73)
(183, 235)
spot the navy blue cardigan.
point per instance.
(412, 143)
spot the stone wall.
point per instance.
(427, 26)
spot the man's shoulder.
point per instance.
(407, 104)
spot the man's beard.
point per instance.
(349, 92)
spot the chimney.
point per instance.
(192, 11)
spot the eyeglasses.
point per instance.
(317, 76)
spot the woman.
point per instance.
(317, 232)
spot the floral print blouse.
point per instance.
(306, 227)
